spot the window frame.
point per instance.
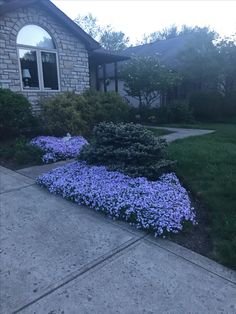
(39, 68)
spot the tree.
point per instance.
(145, 79)
(199, 61)
(108, 38)
(113, 41)
(227, 51)
(166, 33)
(89, 24)
(171, 32)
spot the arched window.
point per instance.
(38, 59)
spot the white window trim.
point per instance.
(40, 70)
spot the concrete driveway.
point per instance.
(59, 258)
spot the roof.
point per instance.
(101, 56)
(10, 5)
(167, 50)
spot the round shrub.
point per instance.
(60, 116)
(16, 114)
(129, 148)
(106, 107)
(78, 114)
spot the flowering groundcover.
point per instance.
(161, 205)
(58, 148)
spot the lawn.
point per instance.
(207, 166)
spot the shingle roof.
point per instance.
(167, 51)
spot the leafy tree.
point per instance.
(166, 33)
(227, 51)
(145, 79)
(89, 24)
(172, 32)
(108, 38)
(199, 61)
(113, 41)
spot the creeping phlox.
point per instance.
(58, 148)
(162, 205)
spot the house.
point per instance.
(43, 52)
(166, 50)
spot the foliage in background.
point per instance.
(177, 111)
(15, 114)
(170, 32)
(146, 78)
(78, 114)
(128, 148)
(213, 106)
(199, 62)
(109, 38)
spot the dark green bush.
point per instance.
(230, 105)
(144, 115)
(20, 152)
(78, 114)
(207, 106)
(15, 114)
(177, 111)
(128, 148)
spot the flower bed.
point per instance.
(57, 148)
(161, 205)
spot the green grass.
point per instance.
(207, 166)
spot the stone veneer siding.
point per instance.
(72, 54)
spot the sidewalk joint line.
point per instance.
(101, 260)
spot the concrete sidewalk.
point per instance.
(59, 258)
(180, 133)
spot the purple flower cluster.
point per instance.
(57, 148)
(161, 206)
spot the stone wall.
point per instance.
(72, 54)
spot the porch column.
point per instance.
(116, 77)
(104, 77)
(97, 78)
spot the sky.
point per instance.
(135, 18)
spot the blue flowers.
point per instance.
(57, 148)
(161, 206)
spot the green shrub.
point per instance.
(143, 114)
(180, 112)
(20, 152)
(60, 115)
(230, 105)
(16, 114)
(207, 106)
(177, 111)
(78, 114)
(105, 107)
(128, 148)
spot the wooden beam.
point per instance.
(104, 78)
(97, 78)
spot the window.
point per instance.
(38, 59)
